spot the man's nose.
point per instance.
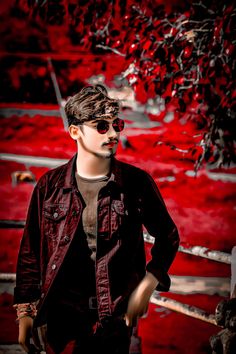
(111, 132)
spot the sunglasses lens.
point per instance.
(118, 125)
(102, 127)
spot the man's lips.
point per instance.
(111, 143)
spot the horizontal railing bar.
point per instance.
(33, 160)
(7, 277)
(185, 309)
(12, 224)
(199, 251)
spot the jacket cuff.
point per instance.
(24, 294)
(162, 277)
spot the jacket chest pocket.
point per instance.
(54, 216)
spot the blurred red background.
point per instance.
(203, 207)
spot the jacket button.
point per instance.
(66, 239)
(55, 215)
(42, 295)
(54, 266)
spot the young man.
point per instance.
(81, 268)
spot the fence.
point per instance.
(156, 298)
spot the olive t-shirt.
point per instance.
(89, 189)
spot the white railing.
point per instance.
(156, 298)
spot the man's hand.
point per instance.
(139, 299)
(25, 332)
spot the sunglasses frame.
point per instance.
(107, 125)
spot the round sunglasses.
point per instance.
(103, 126)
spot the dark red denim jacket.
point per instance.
(129, 201)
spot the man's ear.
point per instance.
(74, 131)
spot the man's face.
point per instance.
(101, 145)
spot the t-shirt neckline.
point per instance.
(94, 179)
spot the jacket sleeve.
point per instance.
(27, 287)
(160, 225)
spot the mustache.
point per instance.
(111, 141)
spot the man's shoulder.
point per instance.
(132, 171)
(52, 175)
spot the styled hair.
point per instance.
(92, 102)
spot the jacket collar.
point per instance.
(67, 177)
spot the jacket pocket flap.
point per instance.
(55, 212)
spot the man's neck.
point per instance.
(92, 166)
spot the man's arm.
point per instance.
(159, 224)
(27, 290)
(28, 264)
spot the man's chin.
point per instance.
(106, 155)
(111, 154)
